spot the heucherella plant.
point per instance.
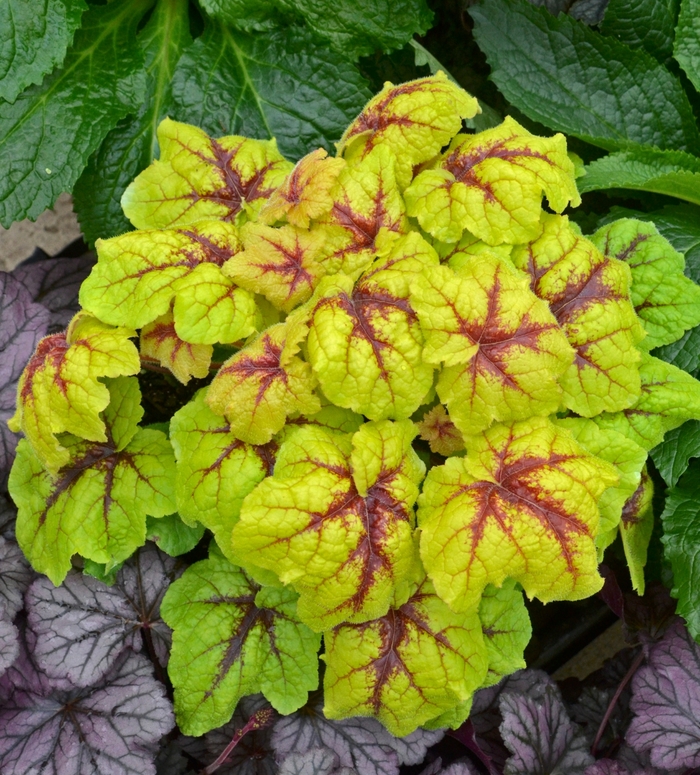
(420, 396)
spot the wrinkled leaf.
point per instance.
(315, 761)
(440, 432)
(647, 24)
(686, 47)
(679, 446)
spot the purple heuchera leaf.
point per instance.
(458, 768)
(110, 728)
(15, 576)
(22, 324)
(362, 743)
(666, 702)
(315, 761)
(54, 283)
(83, 626)
(252, 756)
(538, 731)
(9, 643)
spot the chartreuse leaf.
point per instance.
(139, 274)
(281, 264)
(97, 504)
(589, 295)
(132, 145)
(636, 528)
(306, 192)
(265, 382)
(670, 397)
(501, 347)
(59, 390)
(416, 662)
(627, 457)
(667, 302)
(686, 47)
(159, 342)
(49, 132)
(215, 469)
(33, 41)
(199, 178)
(365, 343)
(336, 520)
(415, 120)
(491, 183)
(507, 630)
(521, 504)
(365, 201)
(565, 75)
(232, 638)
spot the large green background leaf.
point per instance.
(687, 44)
(647, 24)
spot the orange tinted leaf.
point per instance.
(440, 432)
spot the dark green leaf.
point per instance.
(647, 24)
(681, 522)
(172, 535)
(132, 145)
(244, 15)
(561, 73)
(34, 38)
(359, 27)
(685, 353)
(687, 46)
(275, 84)
(48, 134)
(673, 173)
(674, 453)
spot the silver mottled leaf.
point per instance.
(316, 761)
(9, 643)
(15, 576)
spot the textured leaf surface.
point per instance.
(139, 274)
(316, 761)
(16, 576)
(33, 40)
(672, 173)
(278, 84)
(589, 295)
(507, 630)
(667, 302)
(335, 520)
(521, 504)
(646, 24)
(415, 120)
(414, 663)
(59, 390)
(265, 382)
(681, 521)
(231, 638)
(501, 347)
(83, 626)
(160, 343)
(361, 743)
(133, 144)
(566, 76)
(110, 728)
(215, 469)
(365, 342)
(666, 702)
(102, 76)
(97, 504)
(440, 432)
(679, 446)
(22, 324)
(200, 178)
(686, 47)
(669, 397)
(365, 201)
(540, 735)
(9, 644)
(492, 184)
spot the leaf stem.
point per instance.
(613, 701)
(259, 720)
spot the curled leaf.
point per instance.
(198, 178)
(521, 504)
(636, 527)
(159, 341)
(491, 184)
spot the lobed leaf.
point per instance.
(96, 505)
(232, 638)
(265, 382)
(335, 520)
(15, 578)
(159, 342)
(440, 432)
(492, 184)
(589, 295)
(415, 120)
(140, 274)
(365, 343)
(673, 455)
(315, 761)
(521, 504)
(501, 347)
(405, 668)
(59, 390)
(666, 301)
